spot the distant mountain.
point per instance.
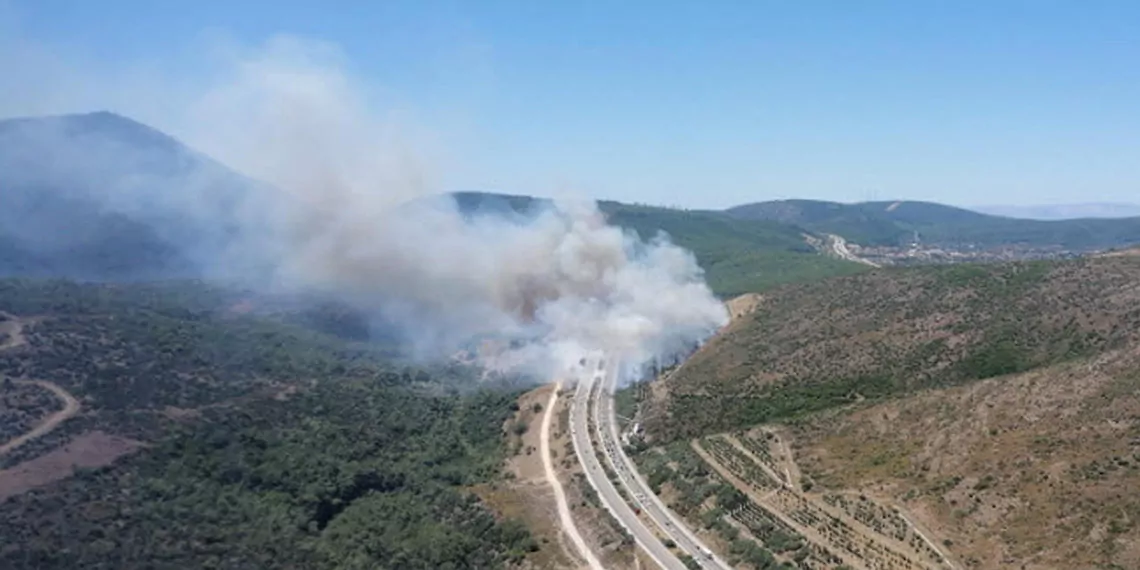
(1065, 211)
(99, 196)
(897, 222)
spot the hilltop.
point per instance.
(100, 196)
(1064, 211)
(103, 197)
(893, 331)
(896, 223)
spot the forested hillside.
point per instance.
(737, 255)
(209, 436)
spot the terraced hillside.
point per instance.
(890, 332)
(1037, 470)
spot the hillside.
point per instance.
(888, 332)
(738, 256)
(924, 418)
(102, 197)
(185, 431)
(1035, 470)
(895, 223)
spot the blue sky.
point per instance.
(709, 104)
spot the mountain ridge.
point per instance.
(108, 182)
(102, 196)
(897, 222)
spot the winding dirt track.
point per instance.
(70, 408)
(559, 494)
(15, 330)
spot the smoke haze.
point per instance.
(349, 204)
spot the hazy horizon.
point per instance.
(1018, 103)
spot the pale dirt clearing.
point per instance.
(92, 449)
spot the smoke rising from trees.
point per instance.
(348, 204)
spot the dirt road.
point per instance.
(559, 494)
(14, 328)
(70, 408)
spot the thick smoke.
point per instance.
(351, 207)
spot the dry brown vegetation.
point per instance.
(889, 332)
(995, 409)
(1036, 470)
(832, 530)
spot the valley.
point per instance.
(879, 400)
(569, 286)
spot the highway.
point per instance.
(607, 493)
(603, 373)
(637, 487)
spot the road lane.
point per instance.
(635, 484)
(607, 492)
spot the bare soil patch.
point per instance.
(526, 463)
(12, 331)
(743, 305)
(533, 504)
(89, 450)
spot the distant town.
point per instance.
(916, 253)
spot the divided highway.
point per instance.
(603, 374)
(607, 493)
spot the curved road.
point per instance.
(564, 516)
(70, 408)
(607, 492)
(638, 488)
(14, 327)
(598, 373)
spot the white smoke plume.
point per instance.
(352, 208)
